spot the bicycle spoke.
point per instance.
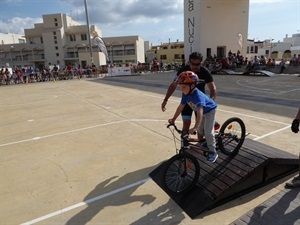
(180, 175)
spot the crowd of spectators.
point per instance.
(236, 60)
(213, 63)
(30, 74)
(295, 60)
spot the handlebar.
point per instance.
(175, 127)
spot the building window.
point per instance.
(56, 24)
(54, 32)
(55, 19)
(56, 48)
(55, 37)
(163, 57)
(57, 54)
(130, 52)
(55, 42)
(31, 41)
(208, 52)
(177, 56)
(83, 37)
(118, 52)
(72, 37)
(42, 40)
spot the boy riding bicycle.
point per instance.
(204, 107)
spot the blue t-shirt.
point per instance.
(198, 99)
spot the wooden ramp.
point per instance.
(260, 72)
(231, 72)
(255, 165)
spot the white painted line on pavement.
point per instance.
(271, 133)
(283, 92)
(76, 130)
(85, 202)
(258, 118)
(56, 134)
(30, 102)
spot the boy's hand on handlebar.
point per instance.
(171, 121)
(193, 131)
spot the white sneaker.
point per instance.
(293, 183)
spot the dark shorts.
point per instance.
(187, 112)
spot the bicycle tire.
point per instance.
(176, 180)
(231, 136)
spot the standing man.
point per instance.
(295, 128)
(205, 78)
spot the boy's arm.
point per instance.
(198, 121)
(212, 90)
(170, 91)
(176, 114)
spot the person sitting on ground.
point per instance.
(269, 64)
(255, 63)
(295, 128)
(225, 63)
(203, 106)
(282, 65)
(262, 61)
(293, 60)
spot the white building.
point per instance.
(10, 38)
(215, 27)
(59, 40)
(277, 50)
(295, 43)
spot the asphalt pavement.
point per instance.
(80, 151)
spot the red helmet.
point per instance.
(187, 77)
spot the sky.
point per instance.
(155, 21)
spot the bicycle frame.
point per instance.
(187, 143)
(181, 171)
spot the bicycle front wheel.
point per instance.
(231, 136)
(180, 173)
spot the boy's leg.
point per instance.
(209, 122)
(186, 115)
(200, 133)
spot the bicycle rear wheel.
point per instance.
(231, 136)
(180, 173)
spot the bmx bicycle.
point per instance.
(181, 172)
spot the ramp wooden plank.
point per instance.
(265, 72)
(228, 71)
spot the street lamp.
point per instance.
(88, 30)
(11, 61)
(270, 53)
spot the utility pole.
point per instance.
(88, 30)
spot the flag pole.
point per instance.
(88, 30)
